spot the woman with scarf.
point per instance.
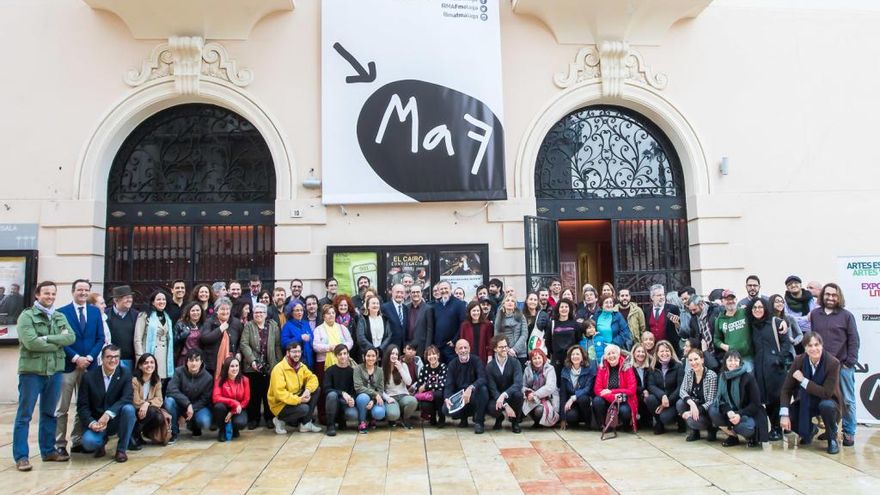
(795, 334)
(739, 406)
(663, 386)
(297, 329)
(220, 336)
(576, 388)
(187, 331)
(643, 366)
(698, 391)
(477, 331)
(348, 316)
(373, 331)
(260, 351)
(328, 335)
(611, 328)
(812, 388)
(153, 334)
(511, 323)
(615, 379)
(773, 356)
(540, 394)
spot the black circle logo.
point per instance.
(870, 393)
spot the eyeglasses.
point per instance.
(112, 357)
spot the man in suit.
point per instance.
(82, 355)
(449, 312)
(420, 322)
(104, 405)
(504, 377)
(663, 318)
(396, 312)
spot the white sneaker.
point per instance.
(309, 428)
(279, 427)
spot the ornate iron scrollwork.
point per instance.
(607, 152)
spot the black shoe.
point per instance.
(196, 431)
(711, 435)
(775, 435)
(63, 451)
(833, 448)
(331, 430)
(407, 425)
(693, 436)
(135, 445)
(515, 427)
(730, 441)
(752, 443)
(77, 449)
(441, 423)
(235, 432)
(221, 434)
(498, 423)
(479, 428)
(805, 441)
(848, 440)
(463, 423)
(252, 425)
(433, 421)
(100, 452)
(174, 437)
(659, 428)
(682, 427)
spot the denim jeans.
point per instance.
(122, 424)
(748, 364)
(201, 417)
(377, 412)
(848, 388)
(48, 390)
(746, 426)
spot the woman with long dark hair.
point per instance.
(576, 388)
(203, 295)
(792, 329)
(147, 401)
(564, 332)
(154, 334)
(773, 355)
(232, 393)
(477, 330)
(187, 330)
(698, 391)
(738, 408)
(400, 403)
(429, 387)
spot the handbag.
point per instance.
(536, 338)
(426, 396)
(612, 419)
(550, 416)
(784, 358)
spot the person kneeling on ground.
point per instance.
(339, 387)
(397, 382)
(814, 378)
(698, 390)
(466, 374)
(293, 392)
(739, 405)
(104, 405)
(189, 395)
(504, 379)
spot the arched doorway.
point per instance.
(191, 196)
(611, 204)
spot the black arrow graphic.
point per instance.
(861, 368)
(363, 76)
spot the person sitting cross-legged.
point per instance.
(104, 405)
(293, 392)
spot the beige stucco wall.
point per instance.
(787, 93)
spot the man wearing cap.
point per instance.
(732, 330)
(121, 318)
(799, 302)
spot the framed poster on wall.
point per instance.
(18, 277)
(403, 264)
(347, 267)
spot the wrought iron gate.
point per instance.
(542, 251)
(648, 252)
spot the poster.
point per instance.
(859, 279)
(347, 267)
(412, 112)
(13, 275)
(408, 264)
(462, 269)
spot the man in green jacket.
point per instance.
(42, 334)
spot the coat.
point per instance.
(191, 390)
(635, 320)
(293, 331)
(483, 347)
(362, 383)
(250, 346)
(669, 385)
(286, 385)
(365, 336)
(232, 394)
(41, 342)
(211, 337)
(582, 387)
(398, 329)
(154, 396)
(829, 390)
(771, 363)
(93, 400)
(627, 385)
(548, 391)
(423, 331)
(515, 328)
(89, 340)
(508, 381)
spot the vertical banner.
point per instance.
(860, 281)
(347, 267)
(411, 101)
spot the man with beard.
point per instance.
(555, 292)
(420, 324)
(332, 286)
(544, 299)
(296, 290)
(632, 313)
(753, 291)
(358, 299)
(799, 302)
(276, 310)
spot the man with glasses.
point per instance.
(420, 325)
(587, 309)
(504, 377)
(296, 290)
(753, 291)
(104, 405)
(255, 285)
(397, 314)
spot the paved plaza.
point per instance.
(451, 461)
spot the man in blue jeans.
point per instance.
(189, 395)
(104, 405)
(837, 326)
(42, 334)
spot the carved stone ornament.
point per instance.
(612, 62)
(188, 59)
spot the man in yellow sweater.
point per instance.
(293, 392)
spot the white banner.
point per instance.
(411, 101)
(860, 282)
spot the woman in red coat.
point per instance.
(478, 331)
(613, 378)
(232, 392)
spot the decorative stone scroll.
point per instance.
(612, 62)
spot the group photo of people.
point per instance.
(216, 360)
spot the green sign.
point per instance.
(347, 267)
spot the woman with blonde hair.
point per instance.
(663, 386)
(643, 366)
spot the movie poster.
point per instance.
(462, 269)
(414, 265)
(13, 273)
(347, 267)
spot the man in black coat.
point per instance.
(505, 381)
(104, 405)
(420, 325)
(466, 374)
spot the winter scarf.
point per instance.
(728, 388)
(800, 305)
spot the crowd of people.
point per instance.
(215, 358)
